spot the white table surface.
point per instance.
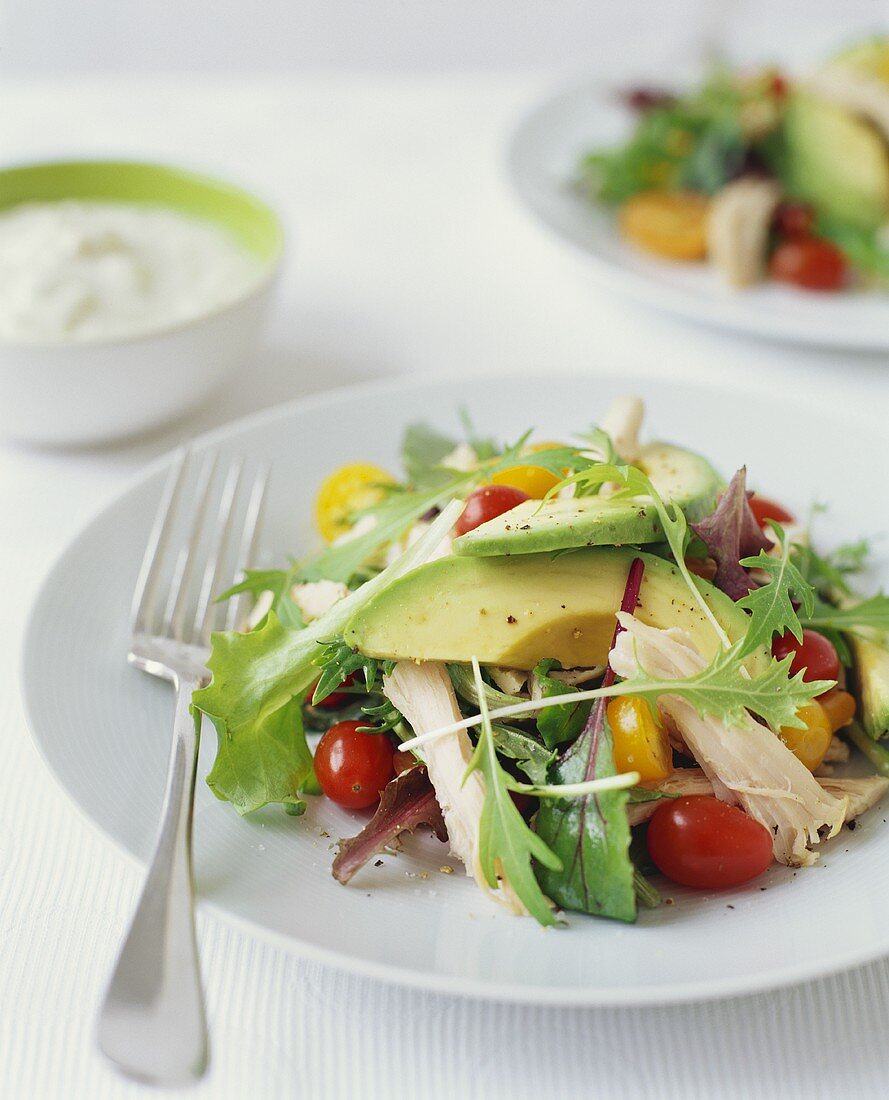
(407, 254)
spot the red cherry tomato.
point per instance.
(794, 219)
(765, 509)
(336, 698)
(486, 503)
(778, 86)
(701, 842)
(808, 262)
(814, 656)
(352, 768)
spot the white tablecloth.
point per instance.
(407, 253)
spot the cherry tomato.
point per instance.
(814, 654)
(486, 503)
(808, 262)
(404, 762)
(353, 767)
(839, 706)
(764, 510)
(778, 86)
(701, 842)
(345, 491)
(810, 744)
(794, 219)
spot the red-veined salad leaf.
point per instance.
(407, 802)
(730, 533)
(591, 835)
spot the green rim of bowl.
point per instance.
(249, 220)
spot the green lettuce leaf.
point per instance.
(558, 724)
(590, 836)
(259, 681)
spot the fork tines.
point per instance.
(212, 512)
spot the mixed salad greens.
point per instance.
(576, 663)
(762, 175)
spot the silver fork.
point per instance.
(152, 1023)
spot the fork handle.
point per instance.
(152, 1023)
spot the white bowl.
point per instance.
(85, 392)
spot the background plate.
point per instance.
(543, 159)
(103, 727)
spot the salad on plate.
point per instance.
(586, 666)
(762, 175)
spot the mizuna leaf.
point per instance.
(771, 607)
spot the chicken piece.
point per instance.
(508, 680)
(738, 230)
(858, 794)
(424, 695)
(622, 423)
(316, 598)
(746, 764)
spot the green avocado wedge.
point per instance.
(514, 611)
(681, 477)
(871, 655)
(836, 161)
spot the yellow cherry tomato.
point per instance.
(640, 741)
(809, 745)
(669, 223)
(839, 706)
(346, 491)
(533, 480)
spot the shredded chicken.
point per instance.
(622, 423)
(424, 695)
(738, 228)
(574, 677)
(316, 598)
(509, 680)
(746, 764)
(858, 794)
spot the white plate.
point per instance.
(543, 161)
(103, 727)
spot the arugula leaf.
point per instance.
(337, 662)
(558, 724)
(259, 682)
(722, 691)
(393, 515)
(869, 614)
(827, 573)
(529, 755)
(506, 845)
(465, 687)
(771, 606)
(591, 836)
(731, 532)
(422, 450)
(278, 582)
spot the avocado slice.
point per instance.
(514, 611)
(871, 656)
(836, 161)
(680, 476)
